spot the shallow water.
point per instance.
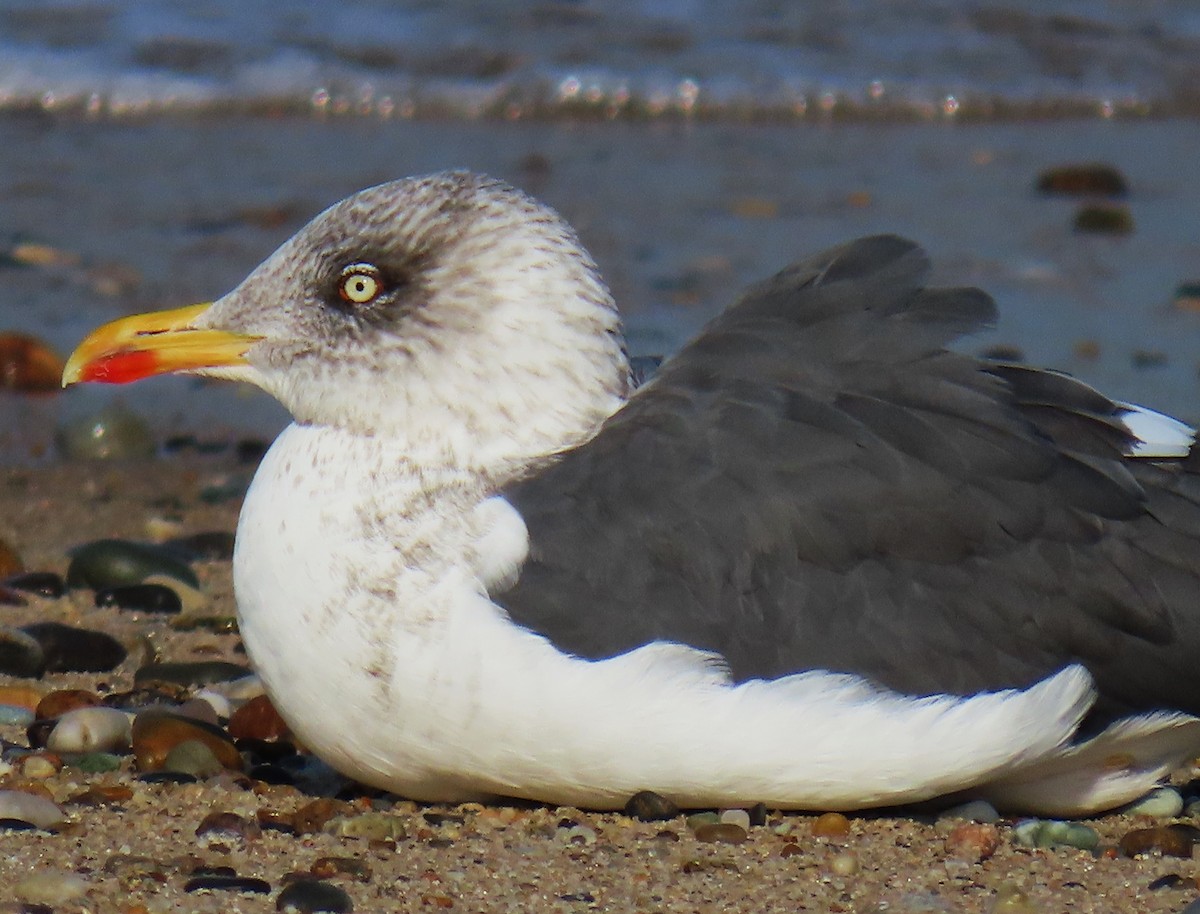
(862, 58)
(678, 216)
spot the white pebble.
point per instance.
(736, 817)
(220, 704)
(241, 689)
(51, 887)
(16, 804)
(91, 730)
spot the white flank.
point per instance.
(1158, 434)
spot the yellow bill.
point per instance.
(144, 345)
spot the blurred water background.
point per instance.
(153, 152)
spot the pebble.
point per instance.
(1161, 803)
(148, 598)
(106, 563)
(156, 733)
(15, 716)
(324, 867)
(696, 819)
(1051, 833)
(258, 719)
(27, 807)
(973, 811)
(40, 766)
(228, 825)
(195, 673)
(191, 599)
(51, 887)
(193, 757)
(1187, 296)
(370, 826)
(738, 817)
(208, 546)
(60, 701)
(114, 433)
(1169, 840)
(314, 816)
(43, 583)
(844, 864)
(20, 654)
(102, 795)
(225, 883)
(29, 365)
(91, 729)
(308, 896)
(831, 825)
(648, 806)
(1012, 899)
(24, 696)
(67, 649)
(1095, 179)
(1104, 219)
(973, 841)
(720, 833)
(97, 762)
(220, 705)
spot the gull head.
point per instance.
(451, 310)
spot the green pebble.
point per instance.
(114, 433)
(115, 563)
(192, 757)
(1162, 803)
(695, 820)
(1050, 833)
(97, 762)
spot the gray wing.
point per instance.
(815, 481)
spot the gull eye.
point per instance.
(360, 284)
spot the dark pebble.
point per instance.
(148, 598)
(1104, 219)
(266, 751)
(272, 774)
(209, 546)
(648, 806)
(227, 884)
(1095, 179)
(43, 583)
(250, 450)
(1172, 881)
(1148, 358)
(1002, 352)
(16, 825)
(113, 563)
(167, 777)
(68, 649)
(20, 654)
(38, 732)
(29, 365)
(758, 814)
(312, 895)
(198, 673)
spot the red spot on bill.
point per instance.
(121, 367)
